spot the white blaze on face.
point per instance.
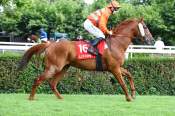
(141, 29)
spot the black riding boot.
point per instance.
(92, 49)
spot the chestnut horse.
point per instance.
(59, 56)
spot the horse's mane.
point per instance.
(122, 25)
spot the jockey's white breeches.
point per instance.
(89, 26)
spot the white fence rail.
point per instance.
(166, 50)
(170, 50)
(150, 49)
(15, 46)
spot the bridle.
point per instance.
(108, 39)
(145, 32)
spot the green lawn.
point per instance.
(86, 105)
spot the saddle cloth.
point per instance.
(82, 46)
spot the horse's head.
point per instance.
(143, 33)
(132, 29)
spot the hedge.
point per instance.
(151, 76)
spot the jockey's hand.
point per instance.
(110, 33)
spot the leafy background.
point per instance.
(158, 79)
(22, 16)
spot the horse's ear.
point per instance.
(141, 19)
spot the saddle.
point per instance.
(82, 51)
(93, 48)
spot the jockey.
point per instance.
(43, 35)
(96, 23)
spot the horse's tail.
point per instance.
(37, 49)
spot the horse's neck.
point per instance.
(121, 41)
(124, 35)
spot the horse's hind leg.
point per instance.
(54, 81)
(46, 75)
(130, 78)
(37, 82)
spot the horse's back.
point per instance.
(61, 50)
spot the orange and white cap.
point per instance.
(114, 4)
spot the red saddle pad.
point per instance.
(82, 46)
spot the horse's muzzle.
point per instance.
(149, 41)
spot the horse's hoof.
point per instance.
(31, 98)
(133, 97)
(128, 99)
(60, 97)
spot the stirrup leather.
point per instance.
(92, 50)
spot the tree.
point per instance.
(4, 2)
(168, 15)
(68, 16)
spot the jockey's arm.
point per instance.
(102, 24)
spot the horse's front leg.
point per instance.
(126, 73)
(118, 75)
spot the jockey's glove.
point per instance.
(110, 32)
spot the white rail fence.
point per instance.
(15, 46)
(168, 50)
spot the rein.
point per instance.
(108, 39)
(120, 36)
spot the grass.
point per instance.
(11, 54)
(86, 105)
